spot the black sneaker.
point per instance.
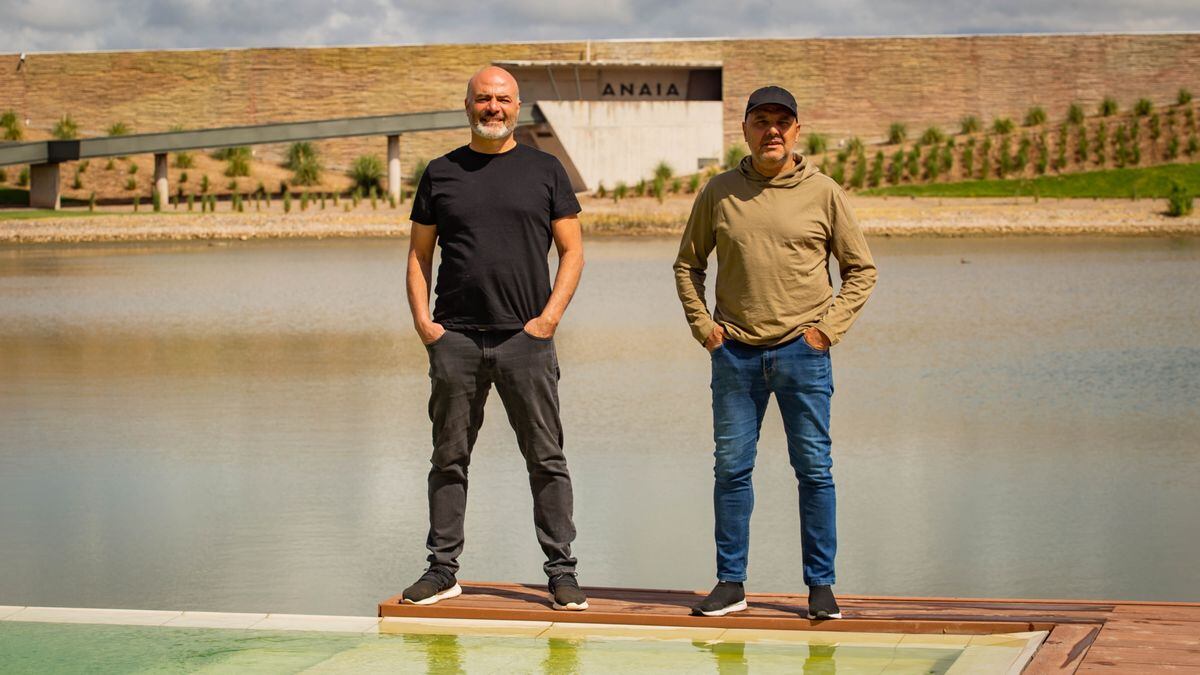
(821, 603)
(565, 593)
(435, 584)
(726, 597)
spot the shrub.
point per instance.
(119, 129)
(83, 166)
(1075, 113)
(1184, 97)
(969, 124)
(620, 191)
(734, 155)
(1142, 107)
(224, 154)
(155, 201)
(1081, 146)
(693, 183)
(1035, 116)
(663, 171)
(601, 193)
(1006, 160)
(676, 186)
(184, 160)
(896, 167)
(658, 188)
(1155, 127)
(947, 157)
(1060, 149)
(815, 144)
(133, 169)
(204, 184)
(1179, 202)
(110, 165)
(232, 185)
(967, 160)
(854, 145)
(640, 189)
(366, 171)
(298, 152)
(307, 171)
(23, 177)
(931, 164)
(1101, 142)
(1108, 107)
(1043, 157)
(65, 129)
(287, 202)
(12, 126)
(985, 158)
(92, 201)
(932, 136)
(1121, 141)
(897, 133)
(876, 176)
(1172, 147)
(304, 200)
(912, 162)
(238, 164)
(838, 174)
(191, 199)
(859, 177)
(1002, 125)
(131, 184)
(77, 184)
(1189, 117)
(137, 201)
(183, 177)
(1193, 146)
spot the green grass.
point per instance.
(1153, 182)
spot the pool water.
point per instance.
(37, 647)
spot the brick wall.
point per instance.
(852, 86)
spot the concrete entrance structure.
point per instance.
(44, 186)
(613, 122)
(602, 142)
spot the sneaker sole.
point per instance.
(570, 606)
(452, 592)
(814, 617)
(739, 606)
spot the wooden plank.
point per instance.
(1108, 668)
(1145, 655)
(1182, 628)
(1064, 650)
(1168, 613)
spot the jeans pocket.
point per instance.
(531, 336)
(438, 341)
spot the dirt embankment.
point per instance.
(878, 216)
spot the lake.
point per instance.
(243, 427)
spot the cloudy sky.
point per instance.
(74, 25)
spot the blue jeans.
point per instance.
(743, 379)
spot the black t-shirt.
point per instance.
(493, 215)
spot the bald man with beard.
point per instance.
(494, 207)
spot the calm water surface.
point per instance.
(243, 428)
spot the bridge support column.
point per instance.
(44, 187)
(161, 186)
(393, 154)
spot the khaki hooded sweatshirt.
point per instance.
(773, 238)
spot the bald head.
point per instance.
(493, 104)
(493, 78)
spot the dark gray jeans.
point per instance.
(463, 365)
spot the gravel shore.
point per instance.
(879, 216)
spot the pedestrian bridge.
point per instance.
(44, 157)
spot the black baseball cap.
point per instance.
(771, 94)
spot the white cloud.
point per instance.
(70, 25)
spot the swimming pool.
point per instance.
(39, 640)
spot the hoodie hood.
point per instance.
(800, 172)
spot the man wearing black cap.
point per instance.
(773, 220)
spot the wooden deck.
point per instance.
(1085, 636)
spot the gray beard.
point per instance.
(492, 133)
